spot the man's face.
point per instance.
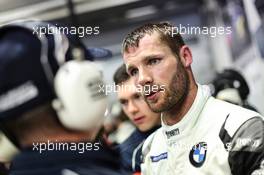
(152, 63)
(136, 108)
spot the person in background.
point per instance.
(232, 87)
(50, 104)
(140, 115)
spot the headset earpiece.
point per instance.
(81, 104)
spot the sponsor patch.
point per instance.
(172, 133)
(159, 157)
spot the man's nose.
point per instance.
(144, 77)
(132, 108)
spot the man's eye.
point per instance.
(124, 103)
(133, 72)
(153, 61)
(137, 96)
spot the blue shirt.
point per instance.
(130, 150)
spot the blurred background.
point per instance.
(242, 50)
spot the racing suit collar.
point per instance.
(181, 128)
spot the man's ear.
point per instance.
(185, 56)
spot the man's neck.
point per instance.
(175, 115)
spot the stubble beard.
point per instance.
(173, 96)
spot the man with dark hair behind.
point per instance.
(199, 134)
(139, 114)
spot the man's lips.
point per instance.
(152, 95)
(139, 120)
